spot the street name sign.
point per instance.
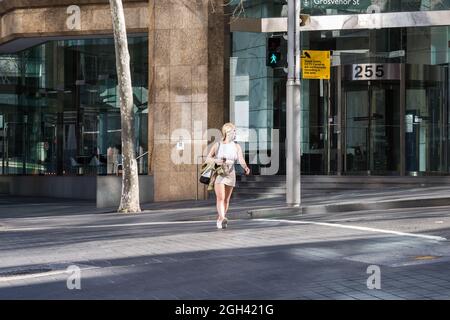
(337, 4)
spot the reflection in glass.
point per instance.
(59, 111)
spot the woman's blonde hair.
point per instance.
(226, 128)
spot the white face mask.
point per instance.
(231, 135)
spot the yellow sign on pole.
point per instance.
(316, 64)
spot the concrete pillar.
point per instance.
(186, 61)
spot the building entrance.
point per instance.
(372, 127)
(396, 125)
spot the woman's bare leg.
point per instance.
(228, 192)
(220, 199)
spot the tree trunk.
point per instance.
(129, 202)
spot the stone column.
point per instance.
(186, 61)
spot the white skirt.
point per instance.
(229, 180)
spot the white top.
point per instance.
(228, 151)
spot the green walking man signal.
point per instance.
(274, 52)
(274, 59)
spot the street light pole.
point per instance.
(293, 176)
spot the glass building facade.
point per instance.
(59, 108)
(397, 124)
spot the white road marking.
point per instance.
(345, 226)
(325, 224)
(32, 276)
(39, 275)
(105, 225)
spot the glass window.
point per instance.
(348, 125)
(258, 100)
(59, 110)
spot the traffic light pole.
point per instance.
(293, 176)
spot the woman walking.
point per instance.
(226, 152)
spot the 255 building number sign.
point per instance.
(371, 71)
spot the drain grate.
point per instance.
(24, 272)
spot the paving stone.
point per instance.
(252, 259)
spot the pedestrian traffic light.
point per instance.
(274, 52)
